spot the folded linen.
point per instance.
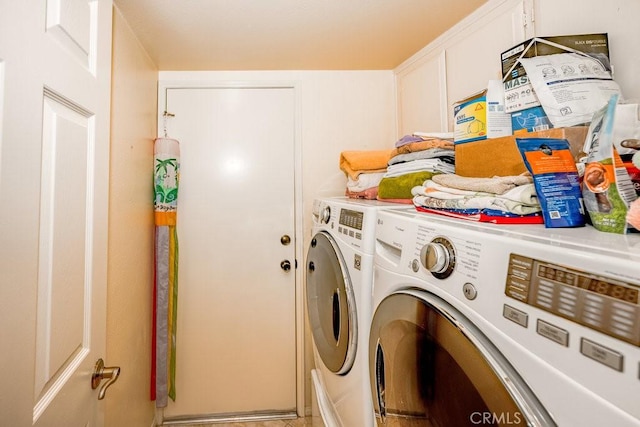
(423, 136)
(353, 163)
(522, 193)
(399, 187)
(486, 215)
(369, 194)
(444, 154)
(407, 139)
(365, 180)
(421, 165)
(496, 185)
(521, 200)
(422, 145)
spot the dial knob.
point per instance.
(434, 257)
(438, 257)
(325, 215)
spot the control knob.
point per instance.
(439, 257)
(325, 215)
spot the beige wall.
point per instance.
(130, 270)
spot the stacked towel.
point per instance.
(365, 186)
(364, 170)
(499, 199)
(415, 159)
(354, 163)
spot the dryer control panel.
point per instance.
(608, 306)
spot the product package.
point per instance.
(481, 115)
(519, 93)
(571, 87)
(626, 139)
(556, 180)
(607, 188)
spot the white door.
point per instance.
(54, 161)
(236, 348)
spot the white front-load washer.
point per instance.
(481, 324)
(339, 274)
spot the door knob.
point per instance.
(285, 240)
(285, 265)
(100, 372)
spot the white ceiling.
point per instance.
(289, 34)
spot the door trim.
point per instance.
(191, 81)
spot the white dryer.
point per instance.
(339, 275)
(479, 324)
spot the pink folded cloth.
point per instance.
(368, 194)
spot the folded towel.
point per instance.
(521, 200)
(407, 139)
(369, 194)
(525, 194)
(422, 145)
(399, 187)
(423, 136)
(486, 215)
(495, 185)
(443, 154)
(353, 163)
(422, 165)
(365, 180)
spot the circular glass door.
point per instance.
(331, 304)
(429, 365)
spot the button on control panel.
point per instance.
(515, 315)
(552, 332)
(602, 354)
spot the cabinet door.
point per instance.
(458, 64)
(618, 18)
(474, 59)
(421, 97)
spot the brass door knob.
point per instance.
(100, 372)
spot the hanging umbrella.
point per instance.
(166, 178)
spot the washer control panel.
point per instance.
(351, 218)
(608, 306)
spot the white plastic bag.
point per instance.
(570, 86)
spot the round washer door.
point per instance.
(430, 365)
(331, 304)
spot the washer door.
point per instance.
(429, 365)
(331, 304)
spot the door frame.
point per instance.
(191, 79)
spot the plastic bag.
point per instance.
(607, 189)
(571, 87)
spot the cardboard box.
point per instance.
(519, 93)
(500, 156)
(481, 116)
